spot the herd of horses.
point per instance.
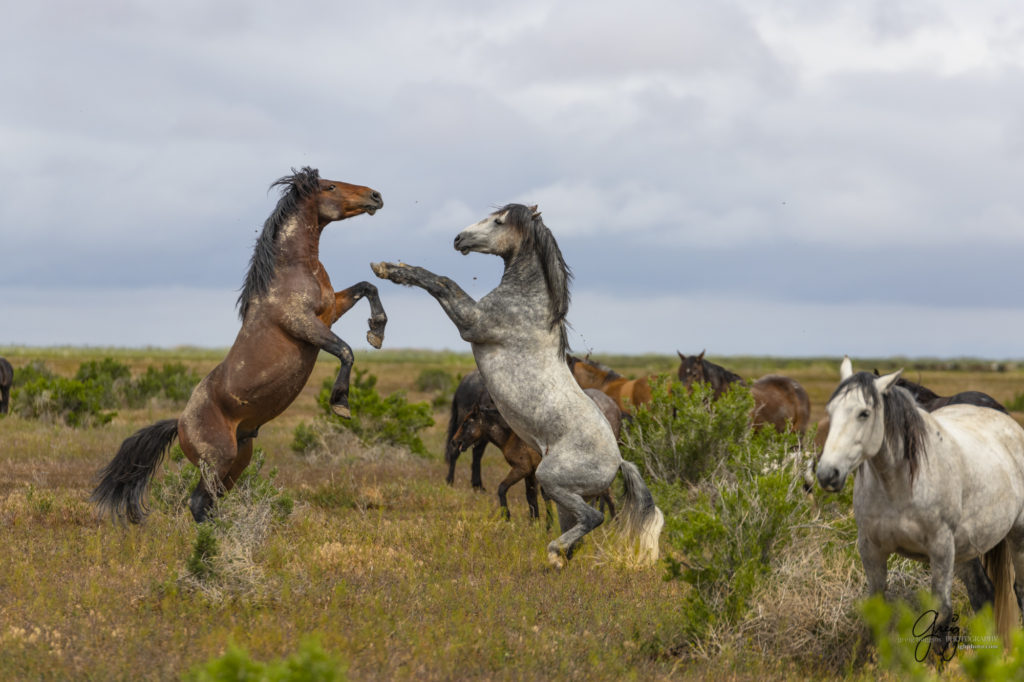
(939, 479)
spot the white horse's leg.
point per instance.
(457, 304)
(576, 517)
(941, 555)
(874, 565)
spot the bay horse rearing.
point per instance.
(287, 306)
(518, 336)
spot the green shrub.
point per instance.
(36, 369)
(109, 375)
(309, 664)
(681, 435)
(730, 495)
(173, 382)
(375, 419)
(437, 381)
(58, 399)
(204, 550)
(304, 438)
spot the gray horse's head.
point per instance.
(517, 234)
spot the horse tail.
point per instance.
(1004, 605)
(643, 520)
(123, 482)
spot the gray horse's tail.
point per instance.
(1004, 606)
(642, 520)
(123, 482)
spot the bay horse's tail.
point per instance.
(122, 487)
(1004, 605)
(642, 519)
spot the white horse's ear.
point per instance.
(535, 212)
(887, 381)
(845, 368)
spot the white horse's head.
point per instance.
(856, 424)
(500, 233)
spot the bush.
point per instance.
(98, 387)
(437, 381)
(374, 419)
(73, 402)
(730, 495)
(309, 664)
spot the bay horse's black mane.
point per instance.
(536, 237)
(298, 187)
(903, 422)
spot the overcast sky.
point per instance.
(787, 177)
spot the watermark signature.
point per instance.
(926, 630)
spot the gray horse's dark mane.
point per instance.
(537, 238)
(297, 187)
(903, 422)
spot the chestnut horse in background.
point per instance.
(625, 392)
(778, 400)
(287, 306)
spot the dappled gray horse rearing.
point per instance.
(518, 337)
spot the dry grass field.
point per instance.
(397, 575)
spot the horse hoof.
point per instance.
(380, 269)
(556, 559)
(376, 340)
(342, 411)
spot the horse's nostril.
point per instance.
(378, 198)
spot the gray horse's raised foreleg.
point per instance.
(457, 304)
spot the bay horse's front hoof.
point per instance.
(342, 411)
(376, 340)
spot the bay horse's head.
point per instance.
(334, 200)
(516, 232)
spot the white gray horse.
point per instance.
(518, 336)
(942, 487)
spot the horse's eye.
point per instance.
(330, 188)
(499, 221)
(864, 414)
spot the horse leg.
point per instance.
(209, 442)
(514, 476)
(344, 300)
(941, 556)
(457, 304)
(576, 518)
(979, 588)
(339, 392)
(478, 454)
(531, 495)
(874, 562)
(5, 398)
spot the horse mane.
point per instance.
(536, 237)
(903, 422)
(297, 187)
(719, 372)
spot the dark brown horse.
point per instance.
(6, 379)
(484, 424)
(778, 400)
(287, 306)
(627, 393)
(468, 394)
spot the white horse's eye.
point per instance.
(499, 221)
(864, 414)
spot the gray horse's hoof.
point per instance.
(556, 557)
(380, 269)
